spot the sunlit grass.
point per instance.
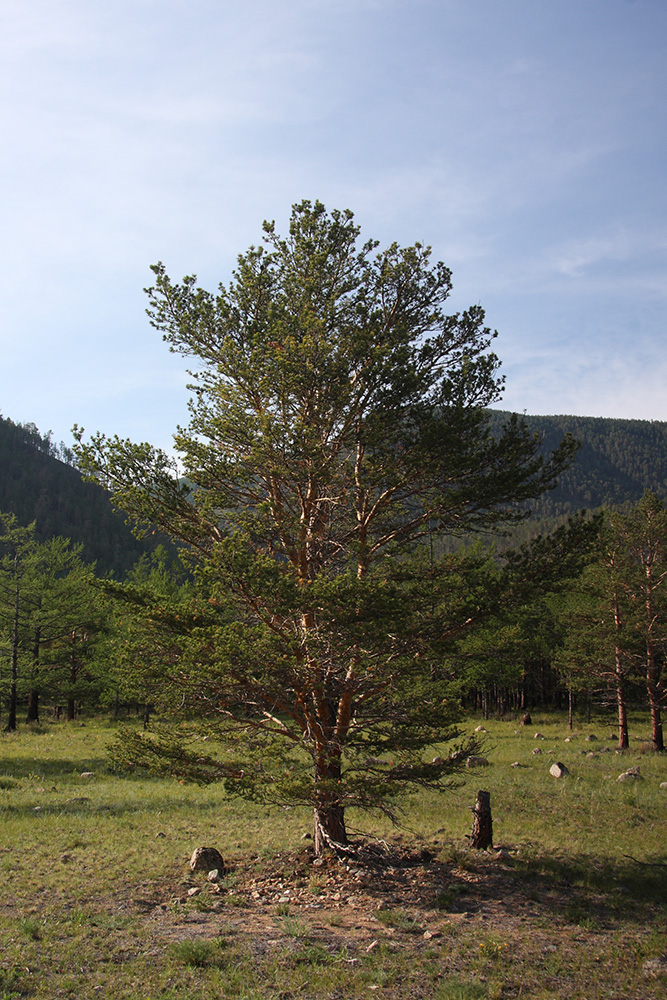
(80, 856)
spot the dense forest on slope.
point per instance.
(39, 483)
(617, 461)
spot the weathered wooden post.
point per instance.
(482, 824)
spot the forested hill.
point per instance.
(617, 461)
(38, 483)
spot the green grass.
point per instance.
(95, 882)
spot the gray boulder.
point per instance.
(205, 859)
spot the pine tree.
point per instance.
(338, 421)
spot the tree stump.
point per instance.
(482, 824)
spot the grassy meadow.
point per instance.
(98, 900)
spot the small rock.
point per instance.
(194, 891)
(477, 762)
(213, 875)
(631, 774)
(663, 784)
(558, 770)
(526, 721)
(503, 855)
(87, 774)
(160, 835)
(306, 836)
(591, 738)
(537, 750)
(205, 859)
(568, 739)
(429, 935)
(481, 729)
(655, 967)
(592, 754)
(539, 736)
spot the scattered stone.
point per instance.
(568, 739)
(537, 750)
(592, 754)
(558, 770)
(631, 774)
(517, 764)
(477, 762)
(87, 774)
(526, 721)
(213, 875)
(306, 836)
(160, 835)
(591, 738)
(503, 855)
(194, 891)
(539, 736)
(663, 784)
(655, 967)
(481, 729)
(429, 935)
(205, 859)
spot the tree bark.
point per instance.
(33, 706)
(13, 685)
(652, 686)
(329, 814)
(570, 707)
(482, 825)
(623, 737)
(33, 694)
(330, 829)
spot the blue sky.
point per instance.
(524, 140)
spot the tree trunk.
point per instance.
(570, 707)
(33, 694)
(623, 737)
(33, 706)
(71, 709)
(482, 824)
(13, 685)
(329, 814)
(652, 686)
(330, 829)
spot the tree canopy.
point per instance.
(338, 420)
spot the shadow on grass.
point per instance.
(588, 891)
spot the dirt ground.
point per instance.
(418, 900)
